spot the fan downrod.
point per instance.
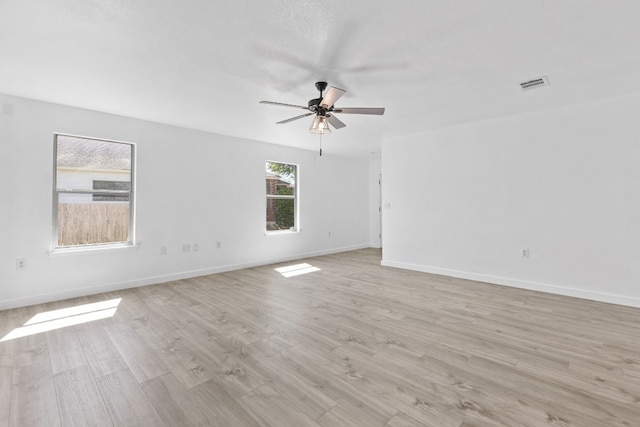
(314, 104)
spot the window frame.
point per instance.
(295, 197)
(55, 248)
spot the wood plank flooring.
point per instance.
(353, 344)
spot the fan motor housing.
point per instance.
(314, 103)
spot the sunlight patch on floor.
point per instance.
(62, 318)
(296, 270)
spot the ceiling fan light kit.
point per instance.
(324, 110)
(320, 125)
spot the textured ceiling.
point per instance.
(205, 64)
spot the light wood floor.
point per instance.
(352, 344)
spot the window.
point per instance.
(93, 192)
(282, 196)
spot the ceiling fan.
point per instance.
(324, 110)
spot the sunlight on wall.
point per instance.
(56, 319)
(296, 270)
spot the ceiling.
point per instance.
(205, 64)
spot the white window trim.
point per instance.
(96, 247)
(296, 203)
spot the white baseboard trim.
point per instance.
(516, 283)
(110, 287)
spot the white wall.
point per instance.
(192, 187)
(563, 183)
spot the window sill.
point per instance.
(280, 232)
(93, 249)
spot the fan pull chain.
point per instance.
(320, 145)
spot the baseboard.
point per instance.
(516, 283)
(152, 280)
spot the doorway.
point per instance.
(380, 210)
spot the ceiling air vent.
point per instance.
(535, 83)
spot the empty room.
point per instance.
(293, 213)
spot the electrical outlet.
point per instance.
(163, 250)
(525, 253)
(195, 247)
(186, 247)
(21, 263)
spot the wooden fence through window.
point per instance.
(92, 223)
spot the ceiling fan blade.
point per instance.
(294, 118)
(333, 94)
(333, 120)
(376, 111)
(284, 105)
